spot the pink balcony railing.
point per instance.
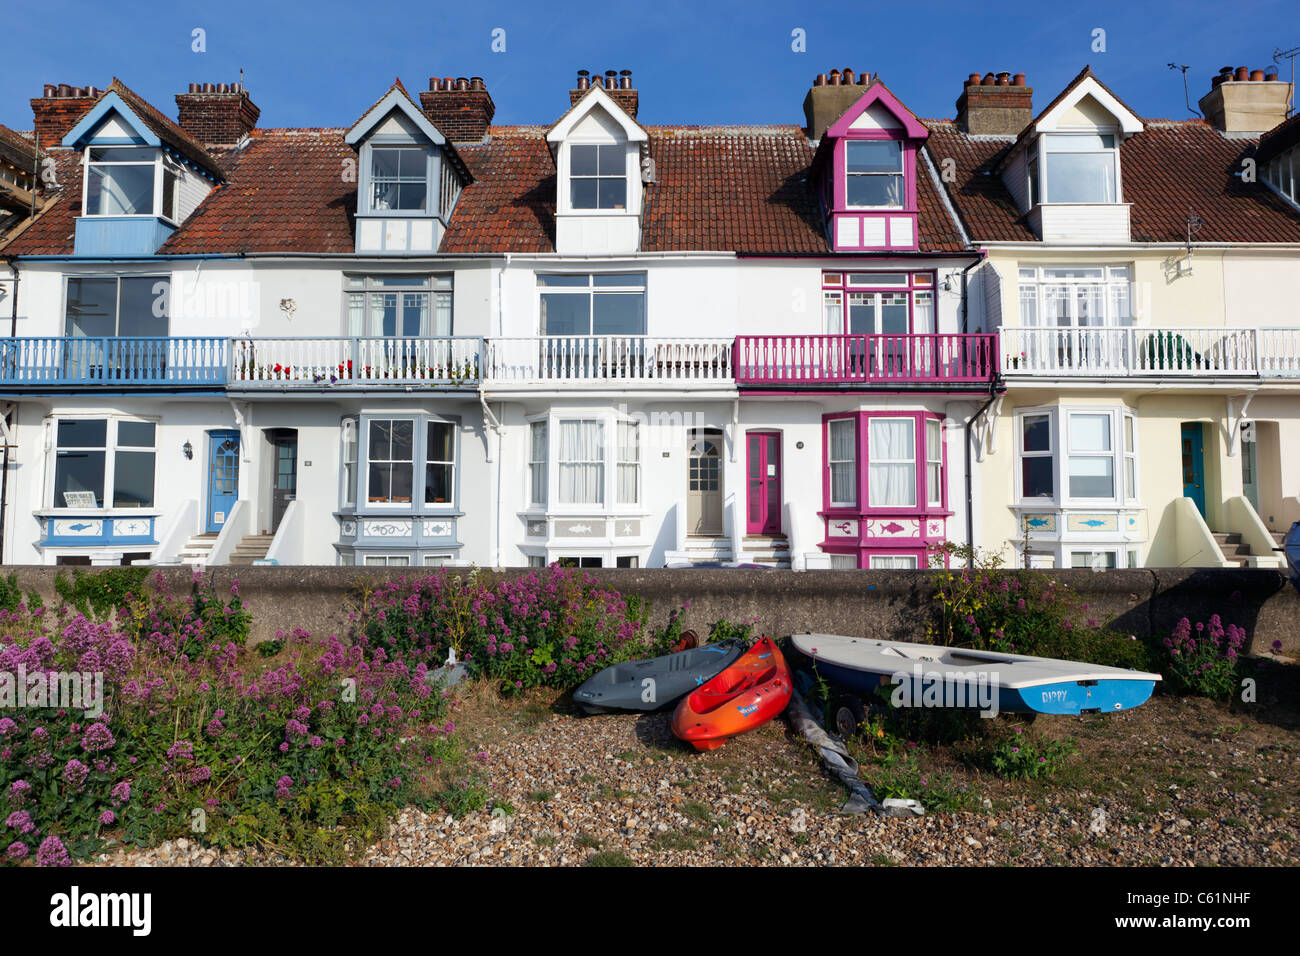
(868, 359)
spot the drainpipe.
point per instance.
(965, 311)
(970, 505)
(4, 476)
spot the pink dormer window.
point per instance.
(869, 184)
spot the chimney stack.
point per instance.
(462, 108)
(216, 114)
(998, 104)
(59, 109)
(617, 83)
(1246, 101)
(831, 94)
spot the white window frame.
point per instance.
(426, 154)
(111, 448)
(1044, 195)
(1129, 429)
(389, 560)
(160, 166)
(633, 463)
(1111, 453)
(365, 291)
(598, 176)
(602, 424)
(350, 441)
(590, 290)
(1114, 285)
(450, 503)
(1051, 454)
(1060, 422)
(538, 467)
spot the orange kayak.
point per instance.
(746, 695)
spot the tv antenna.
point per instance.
(1280, 54)
(1187, 96)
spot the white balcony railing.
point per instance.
(597, 359)
(1150, 352)
(272, 362)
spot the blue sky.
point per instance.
(693, 62)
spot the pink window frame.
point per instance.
(862, 435)
(840, 159)
(910, 289)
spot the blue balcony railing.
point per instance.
(105, 361)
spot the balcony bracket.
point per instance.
(985, 429)
(492, 420)
(243, 421)
(1236, 419)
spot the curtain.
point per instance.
(629, 457)
(892, 471)
(582, 468)
(844, 476)
(441, 314)
(833, 309)
(893, 562)
(356, 313)
(537, 464)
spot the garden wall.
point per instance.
(892, 605)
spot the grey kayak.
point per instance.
(658, 682)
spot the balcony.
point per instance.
(609, 361)
(277, 363)
(1106, 352)
(814, 361)
(62, 362)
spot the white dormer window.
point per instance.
(1080, 168)
(399, 178)
(597, 176)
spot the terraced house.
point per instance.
(424, 339)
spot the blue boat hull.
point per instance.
(1064, 698)
(1291, 548)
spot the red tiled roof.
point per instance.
(1281, 137)
(51, 233)
(510, 206)
(16, 148)
(1170, 169)
(287, 193)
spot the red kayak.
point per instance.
(746, 695)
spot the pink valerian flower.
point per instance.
(97, 737)
(7, 726)
(180, 750)
(52, 852)
(19, 789)
(107, 818)
(16, 850)
(121, 793)
(75, 773)
(21, 821)
(282, 787)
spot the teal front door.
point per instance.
(223, 477)
(1194, 465)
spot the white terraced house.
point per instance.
(425, 340)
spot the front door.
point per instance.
(763, 483)
(223, 477)
(704, 482)
(284, 487)
(1194, 465)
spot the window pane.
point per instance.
(582, 456)
(1092, 477)
(1036, 477)
(1037, 433)
(121, 154)
(1130, 478)
(1081, 177)
(875, 190)
(932, 433)
(135, 434)
(562, 279)
(613, 193)
(437, 484)
(566, 314)
(1128, 433)
(403, 440)
(843, 462)
(875, 156)
(584, 160)
(612, 160)
(1090, 433)
(891, 448)
(584, 193)
(120, 191)
(133, 479)
(76, 433)
(441, 442)
(624, 280)
(385, 163)
(142, 298)
(537, 464)
(619, 314)
(78, 471)
(381, 439)
(92, 307)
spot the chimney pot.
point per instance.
(476, 83)
(461, 108)
(1018, 80)
(1239, 101)
(995, 104)
(1257, 76)
(819, 80)
(1004, 79)
(1270, 74)
(973, 80)
(846, 75)
(988, 80)
(1242, 74)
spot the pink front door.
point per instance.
(763, 483)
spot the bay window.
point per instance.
(1091, 464)
(388, 306)
(104, 463)
(1037, 470)
(120, 180)
(586, 462)
(874, 174)
(903, 456)
(391, 461)
(1094, 459)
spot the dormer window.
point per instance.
(874, 171)
(1080, 168)
(120, 181)
(399, 178)
(597, 176)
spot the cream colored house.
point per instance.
(1144, 278)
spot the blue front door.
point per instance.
(223, 477)
(1194, 465)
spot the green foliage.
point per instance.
(1026, 756)
(98, 594)
(985, 607)
(11, 595)
(268, 648)
(1204, 659)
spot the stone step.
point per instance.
(1227, 537)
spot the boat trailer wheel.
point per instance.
(847, 715)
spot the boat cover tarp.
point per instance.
(845, 768)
